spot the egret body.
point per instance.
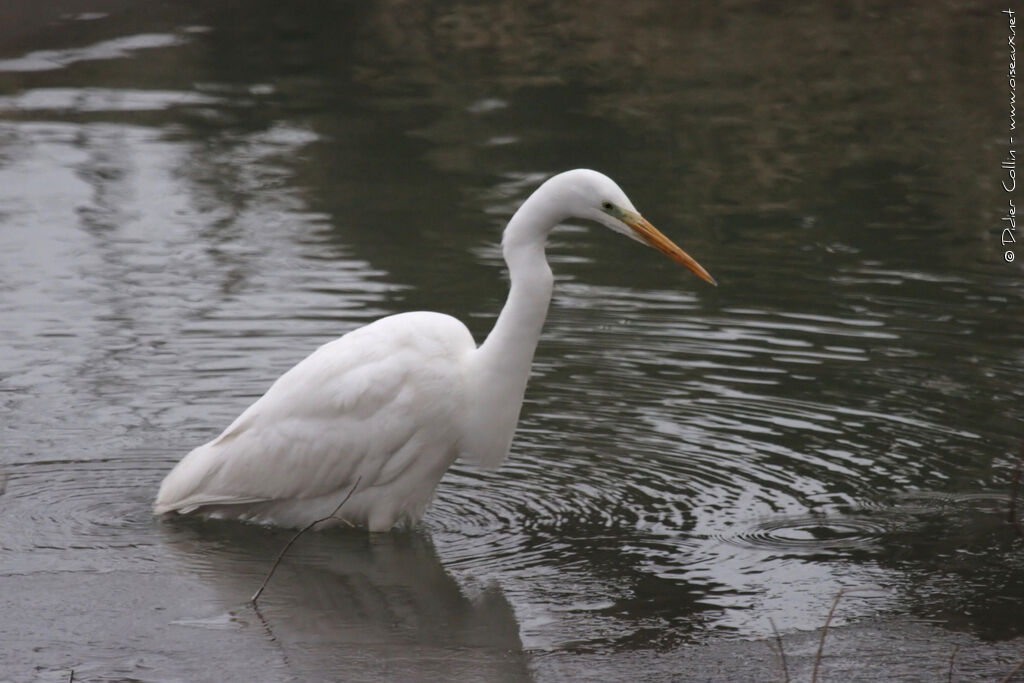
(395, 403)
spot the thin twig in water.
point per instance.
(1014, 492)
(1014, 672)
(952, 659)
(824, 631)
(256, 595)
(71, 677)
(782, 653)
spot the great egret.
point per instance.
(393, 404)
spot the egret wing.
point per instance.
(348, 410)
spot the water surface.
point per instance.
(193, 197)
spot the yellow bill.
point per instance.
(652, 236)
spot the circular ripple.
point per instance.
(868, 525)
(514, 518)
(62, 510)
(802, 533)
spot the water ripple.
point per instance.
(72, 513)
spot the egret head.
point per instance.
(594, 196)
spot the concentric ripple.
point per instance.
(72, 513)
(799, 534)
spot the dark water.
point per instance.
(195, 195)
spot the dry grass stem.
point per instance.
(824, 632)
(1014, 672)
(782, 652)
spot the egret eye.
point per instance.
(607, 206)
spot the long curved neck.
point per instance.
(501, 365)
(513, 339)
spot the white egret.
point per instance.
(395, 403)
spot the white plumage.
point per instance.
(395, 403)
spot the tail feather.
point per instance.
(187, 487)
